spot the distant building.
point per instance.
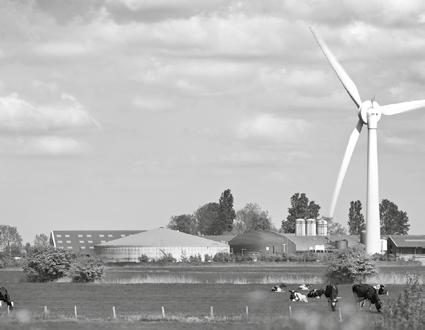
(83, 241)
(157, 243)
(265, 242)
(407, 246)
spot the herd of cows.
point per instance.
(361, 293)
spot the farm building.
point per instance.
(261, 241)
(407, 246)
(156, 243)
(83, 241)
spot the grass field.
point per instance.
(187, 304)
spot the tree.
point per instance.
(302, 208)
(86, 269)
(251, 217)
(227, 212)
(41, 240)
(186, 223)
(393, 220)
(351, 265)
(356, 221)
(208, 217)
(10, 240)
(335, 228)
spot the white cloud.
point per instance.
(152, 104)
(55, 146)
(271, 128)
(19, 115)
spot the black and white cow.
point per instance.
(331, 292)
(297, 296)
(305, 287)
(316, 293)
(363, 292)
(279, 287)
(380, 288)
(4, 296)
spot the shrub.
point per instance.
(207, 258)
(351, 265)
(144, 258)
(272, 257)
(195, 259)
(223, 257)
(86, 269)
(167, 258)
(406, 311)
(44, 264)
(243, 258)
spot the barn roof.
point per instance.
(225, 238)
(163, 237)
(408, 240)
(84, 240)
(257, 237)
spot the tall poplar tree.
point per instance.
(302, 208)
(393, 220)
(356, 222)
(227, 212)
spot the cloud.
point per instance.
(21, 116)
(271, 128)
(55, 146)
(152, 104)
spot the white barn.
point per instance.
(155, 244)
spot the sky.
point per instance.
(119, 114)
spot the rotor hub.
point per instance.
(370, 113)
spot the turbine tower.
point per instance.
(369, 113)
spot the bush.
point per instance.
(86, 269)
(167, 258)
(272, 257)
(405, 312)
(45, 264)
(195, 259)
(243, 258)
(208, 258)
(351, 265)
(223, 257)
(144, 258)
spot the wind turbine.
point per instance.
(369, 113)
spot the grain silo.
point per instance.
(300, 227)
(322, 227)
(311, 227)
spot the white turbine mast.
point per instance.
(369, 113)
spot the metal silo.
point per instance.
(311, 227)
(322, 227)
(300, 227)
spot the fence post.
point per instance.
(290, 312)
(45, 312)
(212, 312)
(163, 312)
(75, 312)
(247, 311)
(114, 314)
(340, 314)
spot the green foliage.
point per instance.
(223, 257)
(185, 223)
(272, 257)
(335, 228)
(208, 258)
(393, 220)
(356, 222)
(86, 269)
(301, 208)
(144, 258)
(41, 240)
(44, 264)
(227, 212)
(351, 265)
(167, 258)
(208, 217)
(252, 217)
(406, 311)
(195, 259)
(10, 240)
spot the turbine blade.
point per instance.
(352, 141)
(393, 109)
(346, 81)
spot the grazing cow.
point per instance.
(364, 292)
(316, 293)
(305, 287)
(4, 296)
(331, 292)
(297, 296)
(279, 287)
(380, 288)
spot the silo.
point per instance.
(383, 245)
(300, 227)
(311, 227)
(322, 227)
(363, 237)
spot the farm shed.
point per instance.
(83, 241)
(261, 241)
(155, 244)
(407, 246)
(308, 243)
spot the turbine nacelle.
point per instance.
(370, 113)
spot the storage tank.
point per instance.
(363, 237)
(311, 227)
(383, 245)
(341, 244)
(322, 227)
(300, 227)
